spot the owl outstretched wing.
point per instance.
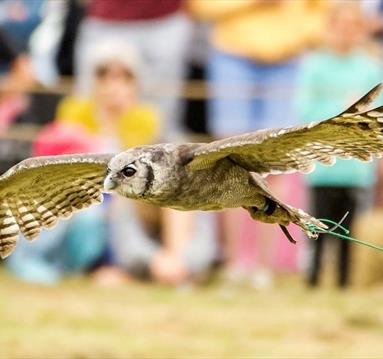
(38, 191)
(356, 133)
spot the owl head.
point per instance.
(138, 173)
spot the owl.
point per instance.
(227, 173)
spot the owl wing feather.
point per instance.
(38, 191)
(352, 134)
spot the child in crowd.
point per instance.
(131, 237)
(113, 111)
(331, 79)
(73, 246)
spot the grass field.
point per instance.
(79, 320)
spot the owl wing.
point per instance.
(352, 134)
(38, 191)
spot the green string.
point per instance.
(316, 230)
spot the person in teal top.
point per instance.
(329, 84)
(332, 79)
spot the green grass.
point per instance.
(79, 320)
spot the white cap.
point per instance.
(115, 51)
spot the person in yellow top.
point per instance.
(252, 67)
(110, 119)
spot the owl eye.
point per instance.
(129, 170)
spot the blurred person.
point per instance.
(52, 43)
(64, 59)
(109, 120)
(8, 52)
(195, 116)
(166, 245)
(113, 113)
(113, 109)
(73, 246)
(17, 76)
(45, 40)
(265, 62)
(19, 18)
(252, 72)
(330, 79)
(160, 31)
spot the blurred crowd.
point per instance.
(106, 75)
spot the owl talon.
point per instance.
(287, 234)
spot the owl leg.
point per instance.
(275, 211)
(272, 213)
(269, 209)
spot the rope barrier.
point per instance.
(191, 90)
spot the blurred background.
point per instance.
(125, 279)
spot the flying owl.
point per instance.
(227, 173)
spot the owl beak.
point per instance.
(109, 183)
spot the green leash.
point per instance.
(316, 230)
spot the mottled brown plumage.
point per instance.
(222, 174)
